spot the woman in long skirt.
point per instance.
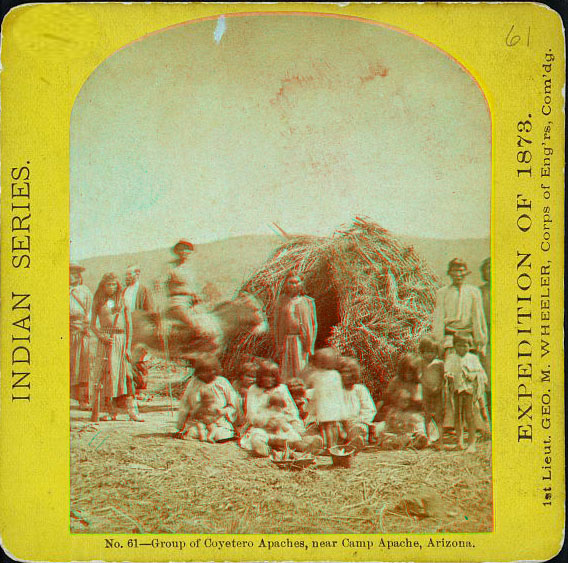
(113, 371)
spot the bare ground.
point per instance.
(129, 477)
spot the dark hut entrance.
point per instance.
(374, 297)
(322, 289)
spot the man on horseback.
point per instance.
(183, 300)
(188, 328)
(181, 285)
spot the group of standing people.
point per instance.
(107, 378)
(104, 379)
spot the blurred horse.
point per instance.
(212, 332)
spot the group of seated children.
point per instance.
(325, 407)
(328, 405)
(429, 394)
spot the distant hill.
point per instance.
(224, 265)
(438, 252)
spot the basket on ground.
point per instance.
(342, 456)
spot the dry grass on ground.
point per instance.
(133, 478)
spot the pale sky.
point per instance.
(302, 121)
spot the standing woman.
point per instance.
(80, 302)
(295, 328)
(113, 372)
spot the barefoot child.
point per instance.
(433, 382)
(467, 384)
(328, 400)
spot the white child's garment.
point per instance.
(328, 400)
(466, 374)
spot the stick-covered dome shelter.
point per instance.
(374, 298)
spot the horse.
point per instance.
(213, 329)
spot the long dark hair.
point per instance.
(101, 296)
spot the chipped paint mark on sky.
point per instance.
(220, 29)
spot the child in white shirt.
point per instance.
(328, 399)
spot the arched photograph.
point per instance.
(280, 283)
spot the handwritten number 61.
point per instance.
(513, 38)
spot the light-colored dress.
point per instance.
(80, 303)
(361, 411)
(258, 398)
(295, 331)
(113, 372)
(279, 425)
(466, 374)
(256, 406)
(360, 404)
(328, 398)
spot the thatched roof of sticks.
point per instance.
(374, 297)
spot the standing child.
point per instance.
(140, 368)
(433, 386)
(328, 400)
(247, 378)
(467, 384)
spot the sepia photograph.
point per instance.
(280, 283)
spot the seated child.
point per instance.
(276, 422)
(432, 380)
(361, 409)
(467, 386)
(205, 416)
(298, 391)
(247, 378)
(407, 378)
(328, 400)
(404, 426)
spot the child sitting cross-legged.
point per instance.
(404, 425)
(361, 409)
(205, 417)
(276, 423)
